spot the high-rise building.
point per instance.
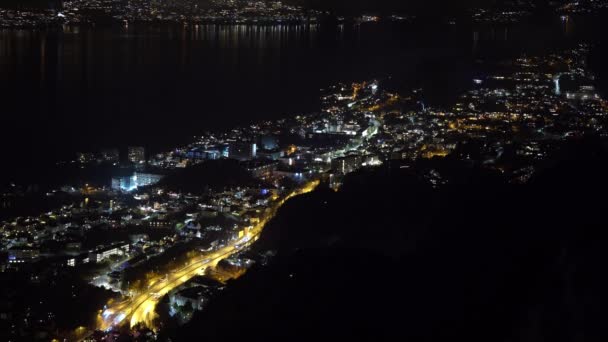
(111, 155)
(130, 183)
(347, 164)
(137, 154)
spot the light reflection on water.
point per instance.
(99, 87)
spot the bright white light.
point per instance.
(119, 318)
(106, 313)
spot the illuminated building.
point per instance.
(121, 183)
(104, 253)
(557, 86)
(130, 183)
(297, 174)
(137, 155)
(160, 224)
(78, 260)
(347, 164)
(17, 255)
(193, 296)
(110, 155)
(145, 179)
(200, 154)
(583, 93)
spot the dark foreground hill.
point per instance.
(389, 258)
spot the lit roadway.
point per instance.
(140, 308)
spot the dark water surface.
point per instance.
(82, 89)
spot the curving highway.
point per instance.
(140, 308)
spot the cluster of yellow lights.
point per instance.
(389, 102)
(140, 308)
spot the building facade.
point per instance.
(137, 154)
